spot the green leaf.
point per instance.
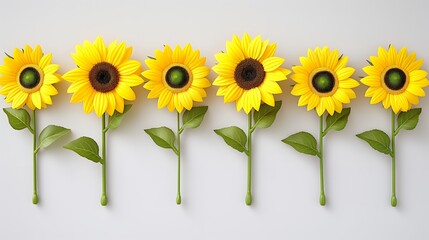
(51, 134)
(234, 137)
(378, 140)
(266, 115)
(18, 118)
(85, 147)
(163, 137)
(303, 142)
(337, 121)
(116, 119)
(194, 117)
(408, 120)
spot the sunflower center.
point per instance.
(249, 73)
(177, 77)
(104, 77)
(29, 77)
(323, 81)
(395, 79)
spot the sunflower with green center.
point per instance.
(323, 81)
(102, 81)
(177, 77)
(248, 72)
(27, 79)
(104, 76)
(395, 79)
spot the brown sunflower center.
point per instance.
(323, 81)
(104, 77)
(29, 77)
(395, 79)
(249, 73)
(177, 77)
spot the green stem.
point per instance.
(35, 195)
(179, 131)
(394, 200)
(322, 199)
(103, 156)
(249, 159)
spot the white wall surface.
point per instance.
(142, 176)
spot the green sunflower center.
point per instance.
(104, 77)
(395, 79)
(177, 77)
(249, 73)
(29, 77)
(323, 81)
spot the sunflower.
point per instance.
(104, 76)
(248, 72)
(395, 78)
(177, 78)
(27, 78)
(323, 81)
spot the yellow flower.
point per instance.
(177, 78)
(27, 78)
(104, 76)
(323, 81)
(249, 72)
(395, 78)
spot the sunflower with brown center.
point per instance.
(102, 81)
(104, 76)
(248, 72)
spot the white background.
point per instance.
(142, 176)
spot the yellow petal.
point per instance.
(132, 80)
(313, 101)
(271, 87)
(153, 75)
(417, 75)
(233, 93)
(276, 75)
(111, 103)
(100, 103)
(223, 81)
(128, 67)
(304, 99)
(233, 52)
(119, 102)
(125, 91)
(371, 81)
(345, 73)
(255, 48)
(45, 60)
(164, 98)
(266, 97)
(201, 83)
(272, 63)
(348, 83)
(378, 96)
(300, 89)
(415, 90)
(200, 72)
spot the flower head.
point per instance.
(177, 78)
(248, 72)
(104, 76)
(323, 81)
(27, 78)
(395, 78)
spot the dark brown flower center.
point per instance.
(29, 77)
(104, 77)
(395, 79)
(177, 77)
(323, 81)
(249, 74)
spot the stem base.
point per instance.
(249, 198)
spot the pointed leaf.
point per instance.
(266, 115)
(337, 121)
(234, 137)
(116, 119)
(378, 140)
(194, 117)
(85, 147)
(303, 142)
(163, 137)
(51, 134)
(408, 120)
(18, 118)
